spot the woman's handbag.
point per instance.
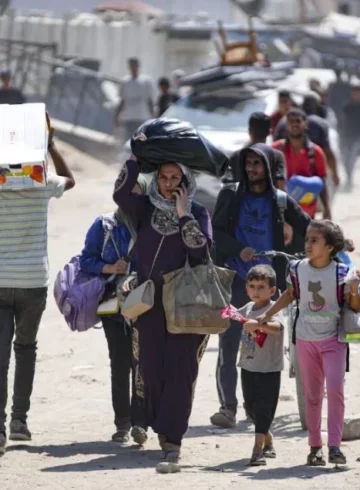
(141, 299)
(194, 298)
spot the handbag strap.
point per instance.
(156, 255)
(111, 236)
(131, 253)
(115, 245)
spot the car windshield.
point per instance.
(216, 113)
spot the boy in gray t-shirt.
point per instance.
(261, 366)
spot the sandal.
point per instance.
(269, 451)
(316, 457)
(257, 460)
(336, 456)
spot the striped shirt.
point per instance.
(23, 235)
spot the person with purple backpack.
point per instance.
(106, 253)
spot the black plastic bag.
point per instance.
(169, 140)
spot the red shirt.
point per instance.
(298, 163)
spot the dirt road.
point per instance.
(71, 416)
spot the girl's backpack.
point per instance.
(77, 295)
(341, 273)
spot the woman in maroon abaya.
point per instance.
(170, 227)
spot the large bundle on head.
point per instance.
(168, 140)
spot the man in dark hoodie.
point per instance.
(259, 131)
(248, 218)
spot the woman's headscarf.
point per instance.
(168, 206)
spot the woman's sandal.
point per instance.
(316, 457)
(257, 460)
(269, 451)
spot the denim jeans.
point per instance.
(124, 359)
(229, 344)
(20, 314)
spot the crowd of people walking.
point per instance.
(157, 228)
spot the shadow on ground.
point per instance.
(301, 472)
(284, 427)
(112, 456)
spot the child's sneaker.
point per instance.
(19, 431)
(2, 443)
(224, 418)
(171, 462)
(336, 456)
(139, 435)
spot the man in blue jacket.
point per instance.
(248, 218)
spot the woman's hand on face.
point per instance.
(182, 201)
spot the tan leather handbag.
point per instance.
(193, 299)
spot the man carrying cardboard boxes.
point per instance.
(25, 191)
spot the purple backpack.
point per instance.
(77, 295)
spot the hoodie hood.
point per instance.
(267, 155)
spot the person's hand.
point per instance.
(356, 278)
(120, 267)
(327, 213)
(336, 179)
(288, 234)
(133, 157)
(247, 254)
(182, 201)
(251, 326)
(262, 319)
